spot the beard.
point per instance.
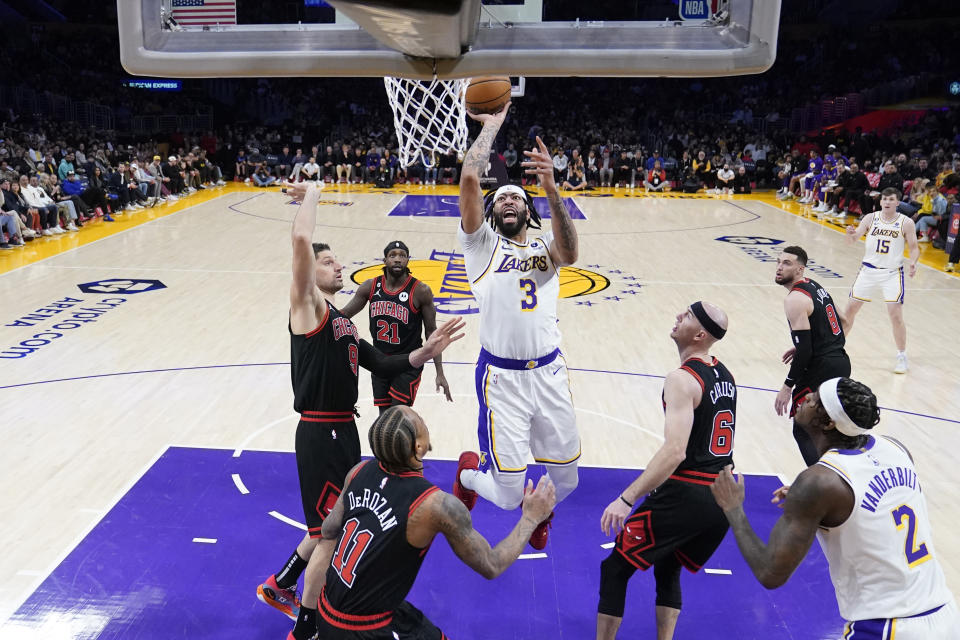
(781, 280)
(509, 230)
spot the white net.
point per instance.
(428, 116)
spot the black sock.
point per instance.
(287, 577)
(306, 626)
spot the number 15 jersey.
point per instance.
(516, 286)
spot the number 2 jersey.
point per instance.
(882, 560)
(517, 286)
(373, 566)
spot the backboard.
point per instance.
(454, 39)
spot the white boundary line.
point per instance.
(531, 556)
(719, 572)
(206, 540)
(114, 235)
(239, 484)
(17, 602)
(290, 521)
(239, 449)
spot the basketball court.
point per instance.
(145, 380)
(151, 475)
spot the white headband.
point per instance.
(831, 402)
(510, 188)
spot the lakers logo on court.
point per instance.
(446, 274)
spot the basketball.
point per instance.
(487, 94)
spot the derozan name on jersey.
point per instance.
(389, 308)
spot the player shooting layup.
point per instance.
(521, 376)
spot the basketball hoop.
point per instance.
(429, 115)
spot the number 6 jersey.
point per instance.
(882, 560)
(517, 286)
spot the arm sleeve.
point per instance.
(382, 365)
(802, 357)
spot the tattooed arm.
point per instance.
(818, 498)
(564, 248)
(448, 516)
(474, 164)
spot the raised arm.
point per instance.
(564, 247)
(423, 299)
(818, 496)
(359, 300)
(449, 517)
(681, 395)
(306, 302)
(386, 366)
(474, 164)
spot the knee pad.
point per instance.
(565, 479)
(667, 575)
(615, 572)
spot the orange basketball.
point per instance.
(487, 94)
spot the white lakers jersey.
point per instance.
(885, 243)
(882, 560)
(516, 286)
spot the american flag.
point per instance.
(200, 12)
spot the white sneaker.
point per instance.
(29, 233)
(47, 232)
(58, 230)
(923, 239)
(129, 207)
(901, 363)
(172, 198)
(72, 227)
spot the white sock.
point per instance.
(504, 490)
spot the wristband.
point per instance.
(629, 504)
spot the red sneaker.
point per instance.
(538, 539)
(467, 460)
(284, 600)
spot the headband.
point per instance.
(510, 188)
(396, 244)
(706, 321)
(831, 402)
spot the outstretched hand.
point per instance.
(444, 335)
(728, 490)
(484, 118)
(780, 495)
(539, 163)
(613, 517)
(539, 502)
(299, 190)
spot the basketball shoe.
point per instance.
(284, 600)
(538, 539)
(467, 460)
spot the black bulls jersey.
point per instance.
(396, 326)
(826, 332)
(710, 447)
(323, 366)
(373, 566)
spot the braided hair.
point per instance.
(533, 216)
(860, 405)
(393, 439)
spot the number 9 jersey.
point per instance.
(516, 286)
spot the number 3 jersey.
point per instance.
(395, 325)
(882, 560)
(516, 286)
(373, 566)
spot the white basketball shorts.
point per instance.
(526, 409)
(876, 284)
